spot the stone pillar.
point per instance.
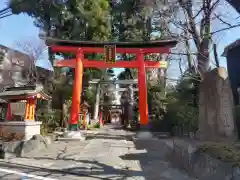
(216, 121)
(130, 94)
(96, 108)
(130, 104)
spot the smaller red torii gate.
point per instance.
(80, 48)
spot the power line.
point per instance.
(6, 12)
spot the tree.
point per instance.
(78, 20)
(197, 23)
(86, 19)
(35, 48)
(182, 114)
(202, 36)
(124, 20)
(142, 21)
(32, 47)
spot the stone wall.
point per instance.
(26, 129)
(184, 155)
(216, 121)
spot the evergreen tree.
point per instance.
(74, 20)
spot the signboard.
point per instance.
(164, 64)
(18, 108)
(110, 53)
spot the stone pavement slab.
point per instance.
(109, 154)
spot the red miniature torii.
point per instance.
(82, 47)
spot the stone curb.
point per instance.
(67, 136)
(185, 156)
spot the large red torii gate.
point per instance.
(87, 47)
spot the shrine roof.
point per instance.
(24, 92)
(98, 44)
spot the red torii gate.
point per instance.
(86, 47)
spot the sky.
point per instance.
(15, 28)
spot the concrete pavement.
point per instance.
(110, 154)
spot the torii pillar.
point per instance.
(142, 83)
(77, 91)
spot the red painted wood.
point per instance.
(77, 90)
(118, 50)
(142, 85)
(139, 63)
(101, 64)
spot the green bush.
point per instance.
(183, 116)
(95, 126)
(237, 112)
(224, 152)
(50, 120)
(181, 113)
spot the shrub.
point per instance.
(181, 113)
(224, 152)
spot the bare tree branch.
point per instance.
(192, 23)
(224, 29)
(216, 55)
(35, 51)
(221, 20)
(32, 48)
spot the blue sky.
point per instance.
(19, 27)
(15, 28)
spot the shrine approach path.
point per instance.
(110, 153)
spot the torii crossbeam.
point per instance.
(140, 49)
(126, 81)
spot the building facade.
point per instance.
(14, 67)
(231, 52)
(235, 4)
